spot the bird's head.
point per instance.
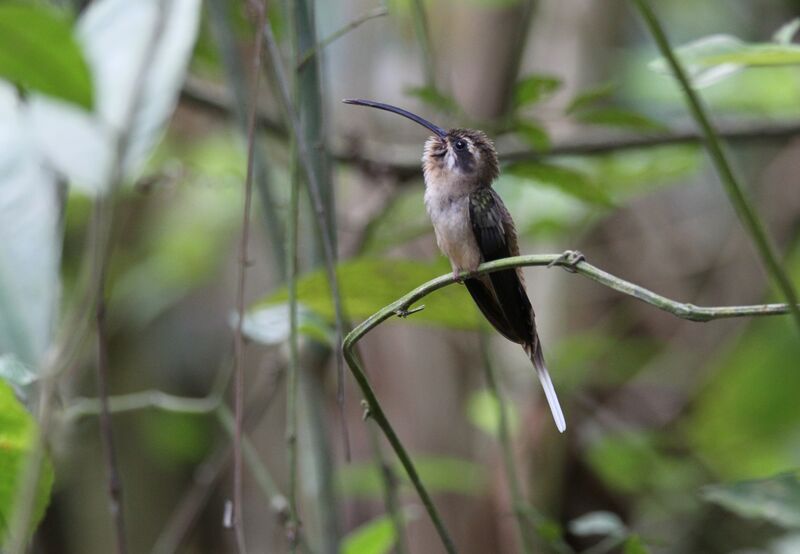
(466, 154)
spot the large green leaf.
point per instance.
(39, 53)
(776, 499)
(439, 475)
(615, 116)
(367, 285)
(17, 434)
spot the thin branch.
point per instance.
(259, 11)
(589, 143)
(292, 369)
(221, 27)
(336, 35)
(744, 208)
(507, 450)
(115, 494)
(155, 399)
(390, 497)
(403, 305)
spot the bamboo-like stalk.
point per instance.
(402, 308)
(422, 29)
(733, 187)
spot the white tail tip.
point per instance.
(550, 394)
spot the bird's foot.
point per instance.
(568, 260)
(404, 312)
(457, 277)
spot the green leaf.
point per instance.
(374, 537)
(590, 96)
(786, 33)
(694, 58)
(39, 53)
(776, 499)
(433, 97)
(483, 411)
(18, 433)
(367, 285)
(634, 545)
(620, 117)
(534, 88)
(598, 523)
(269, 325)
(568, 180)
(717, 57)
(532, 133)
(439, 475)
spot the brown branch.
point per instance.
(215, 99)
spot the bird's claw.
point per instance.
(404, 312)
(568, 260)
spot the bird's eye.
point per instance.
(460, 144)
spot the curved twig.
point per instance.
(403, 306)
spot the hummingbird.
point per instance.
(473, 226)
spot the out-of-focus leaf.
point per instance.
(433, 97)
(711, 59)
(787, 32)
(15, 372)
(483, 411)
(590, 96)
(598, 523)
(367, 285)
(439, 474)
(374, 537)
(619, 117)
(631, 462)
(269, 325)
(532, 133)
(29, 235)
(694, 57)
(136, 88)
(571, 181)
(634, 545)
(172, 438)
(39, 53)
(776, 499)
(746, 419)
(534, 88)
(18, 432)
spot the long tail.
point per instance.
(536, 356)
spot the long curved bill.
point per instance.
(394, 109)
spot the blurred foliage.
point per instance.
(776, 499)
(388, 280)
(27, 58)
(483, 411)
(173, 438)
(374, 537)
(18, 432)
(439, 474)
(534, 88)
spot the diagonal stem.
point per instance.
(744, 208)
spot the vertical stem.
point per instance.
(238, 503)
(391, 501)
(514, 487)
(422, 30)
(291, 381)
(744, 208)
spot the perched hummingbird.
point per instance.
(473, 226)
